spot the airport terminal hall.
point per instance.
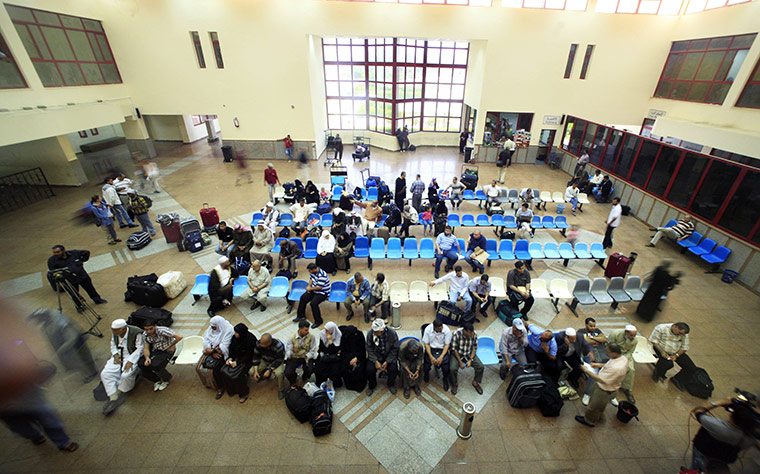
(380, 236)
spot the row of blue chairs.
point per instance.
(707, 249)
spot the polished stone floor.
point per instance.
(183, 429)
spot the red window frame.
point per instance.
(84, 29)
(743, 170)
(674, 53)
(216, 46)
(9, 58)
(570, 60)
(754, 80)
(468, 3)
(586, 60)
(198, 48)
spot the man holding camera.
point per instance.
(71, 266)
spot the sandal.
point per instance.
(243, 400)
(219, 394)
(70, 448)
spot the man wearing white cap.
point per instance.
(263, 242)
(512, 346)
(120, 372)
(570, 349)
(220, 283)
(382, 355)
(626, 339)
(271, 179)
(270, 216)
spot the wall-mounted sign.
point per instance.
(552, 119)
(654, 113)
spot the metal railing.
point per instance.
(21, 189)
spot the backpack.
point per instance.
(507, 234)
(506, 312)
(299, 403)
(321, 413)
(285, 273)
(697, 382)
(288, 188)
(148, 201)
(411, 148)
(242, 265)
(324, 208)
(550, 402)
(371, 182)
(285, 232)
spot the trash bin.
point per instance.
(227, 153)
(464, 430)
(633, 257)
(560, 208)
(728, 276)
(396, 318)
(626, 411)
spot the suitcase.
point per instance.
(174, 283)
(138, 240)
(206, 375)
(171, 232)
(194, 242)
(617, 265)
(160, 317)
(210, 229)
(526, 386)
(321, 413)
(209, 216)
(145, 290)
(453, 315)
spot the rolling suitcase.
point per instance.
(171, 232)
(526, 386)
(138, 240)
(617, 265)
(145, 290)
(209, 216)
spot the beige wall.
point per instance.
(54, 155)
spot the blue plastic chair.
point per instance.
(382, 220)
(565, 250)
(548, 222)
(505, 250)
(409, 337)
(394, 248)
(671, 223)
(561, 222)
(327, 220)
(276, 248)
(550, 250)
(299, 243)
(256, 217)
(337, 180)
(361, 247)
(521, 250)
(597, 251)
(297, 289)
(240, 285)
(487, 351)
(480, 195)
(427, 248)
(201, 285)
(493, 253)
(535, 250)
(313, 216)
(497, 220)
(704, 248)
(337, 293)
(337, 191)
(536, 222)
(510, 222)
(377, 249)
(311, 247)
(279, 287)
(581, 250)
(468, 195)
(453, 220)
(372, 194)
(468, 220)
(410, 251)
(462, 248)
(286, 219)
(482, 220)
(717, 256)
(691, 241)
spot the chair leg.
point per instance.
(554, 302)
(573, 305)
(614, 305)
(369, 262)
(410, 262)
(600, 262)
(715, 268)
(564, 262)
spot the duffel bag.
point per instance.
(158, 316)
(321, 413)
(506, 312)
(138, 240)
(299, 403)
(145, 290)
(173, 282)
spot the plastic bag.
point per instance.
(310, 388)
(329, 389)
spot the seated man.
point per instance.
(571, 195)
(464, 346)
(270, 216)
(158, 349)
(518, 288)
(594, 182)
(301, 349)
(608, 382)
(602, 192)
(220, 283)
(120, 373)
(243, 240)
(542, 348)
(524, 218)
(458, 287)
(480, 292)
(269, 360)
(476, 244)
(379, 296)
(263, 242)
(259, 284)
(317, 292)
(382, 355)
(492, 193)
(437, 339)
(224, 233)
(571, 349)
(372, 214)
(301, 211)
(681, 230)
(410, 365)
(289, 253)
(626, 339)
(446, 246)
(512, 347)
(670, 343)
(456, 188)
(358, 293)
(527, 197)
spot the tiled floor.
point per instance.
(185, 430)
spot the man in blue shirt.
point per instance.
(357, 294)
(475, 242)
(418, 189)
(542, 347)
(446, 246)
(317, 292)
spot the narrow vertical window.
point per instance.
(217, 49)
(570, 59)
(198, 49)
(586, 60)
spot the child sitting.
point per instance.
(426, 219)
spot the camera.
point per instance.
(746, 402)
(61, 274)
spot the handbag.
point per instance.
(212, 363)
(233, 372)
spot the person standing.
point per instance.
(509, 147)
(271, 179)
(399, 196)
(288, 147)
(418, 189)
(660, 282)
(120, 372)
(469, 149)
(158, 350)
(151, 175)
(123, 185)
(608, 381)
(613, 220)
(464, 347)
(582, 161)
(462, 141)
(338, 147)
(112, 200)
(104, 219)
(73, 261)
(140, 206)
(406, 137)
(626, 340)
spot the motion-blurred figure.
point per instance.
(660, 282)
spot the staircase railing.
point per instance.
(21, 189)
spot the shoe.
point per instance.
(226, 302)
(210, 313)
(650, 245)
(121, 226)
(585, 400)
(478, 388)
(437, 275)
(90, 378)
(453, 389)
(70, 448)
(477, 320)
(369, 391)
(39, 440)
(393, 390)
(280, 395)
(583, 421)
(133, 225)
(243, 400)
(156, 385)
(263, 308)
(655, 377)
(417, 390)
(254, 305)
(614, 402)
(349, 316)
(426, 377)
(407, 393)
(109, 407)
(219, 394)
(481, 271)
(445, 384)
(100, 301)
(629, 395)
(652, 229)
(295, 320)
(113, 242)
(334, 273)
(117, 240)
(163, 386)
(503, 372)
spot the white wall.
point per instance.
(166, 127)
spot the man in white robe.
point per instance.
(120, 373)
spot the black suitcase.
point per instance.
(145, 291)
(299, 403)
(526, 386)
(470, 182)
(321, 413)
(453, 315)
(160, 317)
(138, 240)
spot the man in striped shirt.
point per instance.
(681, 230)
(445, 245)
(417, 189)
(158, 350)
(670, 343)
(317, 292)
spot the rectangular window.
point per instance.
(743, 211)
(65, 50)
(710, 196)
(687, 179)
(751, 94)
(644, 162)
(10, 75)
(570, 59)
(588, 138)
(610, 154)
(703, 70)
(217, 49)
(198, 49)
(736, 157)
(569, 126)
(663, 170)
(627, 153)
(577, 135)
(570, 5)
(586, 60)
(597, 148)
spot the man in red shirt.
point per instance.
(288, 147)
(271, 179)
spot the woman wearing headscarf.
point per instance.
(312, 193)
(325, 252)
(232, 376)
(433, 193)
(661, 281)
(354, 225)
(216, 346)
(263, 242)
(343, 248)
(328, 360)
(339, 222)
(353, 358)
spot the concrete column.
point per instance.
(138, 138)
(54, 155)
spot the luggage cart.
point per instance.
(331, 149)
(470, 176)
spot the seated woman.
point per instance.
(232, 377)
(325, 252)
(343, 249)
(339, 222)
(524, 218)
(216, 346)
(353, 358)
(311, 193)
(327, 365)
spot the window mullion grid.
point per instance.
(699, 184)
(673, 176)
(727, 199)
(394, 85)
(52, 57)
(754, 231)
(606, 144)
(366, 84)
(76, 58)
(654, 165)
(89, 41)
